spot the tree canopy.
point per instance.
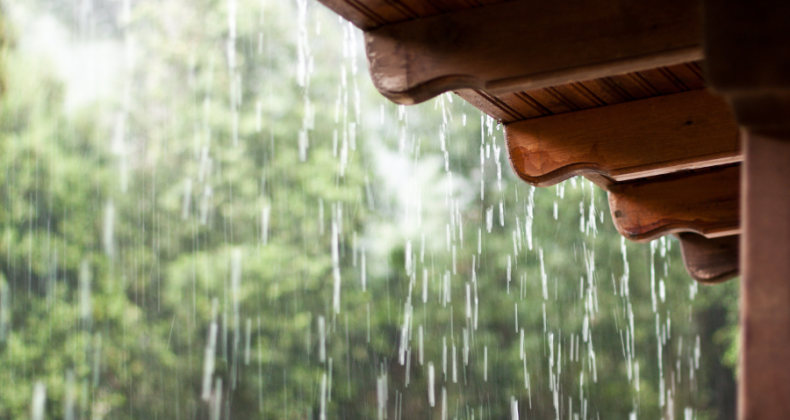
(242, 228)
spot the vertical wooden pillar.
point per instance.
(747, 58)
(764, 391)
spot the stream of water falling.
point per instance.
(208, 212)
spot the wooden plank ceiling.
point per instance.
(615, 93)
(576, 96)
(370, 14)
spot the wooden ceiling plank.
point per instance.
(580, 96)
(689, 75)
(525, 105)
(627, 87)
(530, 44)
(365, 14)
(498, 108)
(662, 81)
(552, 100)
(603, 91)
(710, 261)
(706, 202)
(637, 139)
(371, 14)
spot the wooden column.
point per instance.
(764, 391)
(747, 55)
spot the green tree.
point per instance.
(248, 230)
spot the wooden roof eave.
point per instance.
(632, 140)
(582, 90)
(524, 45)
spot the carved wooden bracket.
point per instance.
(710, 261)
(627, 141)
(523, 45)
(706, 202)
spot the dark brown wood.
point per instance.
(512, 107)
(530, 44)
(632, 140)
(601, 181)
(369, 14)
(704, 202)
(747, 50)
(762, 111)
(748, 60)
(710, 261)
(747, 46)
(764, 391)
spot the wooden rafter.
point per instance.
(370, 14)
(586, 94)
(521, 45)
(710, 261)
(637, 139)
(529, 59)
(705, 202)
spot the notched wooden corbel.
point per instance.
(632, 140)
(706, 202)
(710, 260)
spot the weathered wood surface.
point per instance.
(705, 202)
(764, 391)
(632, 140)
(748, 60)
(369, 14)
(530, 44)
(587, 94)
(710, 261)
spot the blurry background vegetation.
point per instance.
(173, 171)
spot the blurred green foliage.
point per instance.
(123, 222)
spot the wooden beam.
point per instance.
(365, 16)
(632, 140)
(747, 46)
(704, 202)
(370, 14)
(530, 44)
(762, 111)
(710, 261)
(764, 373)
(585, 94)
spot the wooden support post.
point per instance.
(530, 44)
(747, 49)
(764, 391)
(705, 202)
(627, 141)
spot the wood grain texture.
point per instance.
(637, 139)
(704, 202)
(764, 371)
(530, 44)
(517, 106)
(370, 14)
(710, 261)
